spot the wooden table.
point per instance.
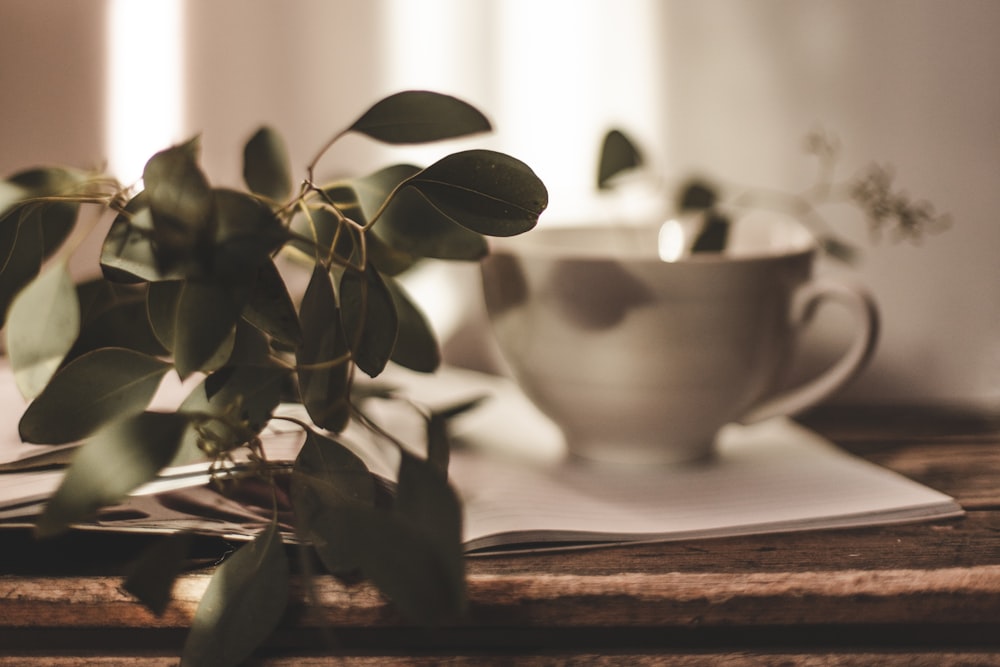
(905, 595)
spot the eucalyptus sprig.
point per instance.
(190, 285)
(887, 209)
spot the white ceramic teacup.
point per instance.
(642, 360)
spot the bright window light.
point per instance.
(144, 90)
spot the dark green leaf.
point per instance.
(22, 249)
(392, 261)
(411, 224)
(369, 316)
(485, 191)
(55, 219)
(696, 195)
(618, 154)
(425, 498)
(438, 435)
(327, 476)
(181, 202)
(42, 325)
(115, 461)
(162, 298)
(324, 389)
(713, 235)
(127, 255)
(44, 181)
(242, 605)
(97, 295)
(247, 233)
(321, 227)
(90, 391)
(124, 324)
(418, 116)
(411, 553)
(426, 583)
(247, 393)
(371, 191)
(254, 389)
(251, 347)
(270, 307)
(839, 250)
(438, 443)
(151, 577)
(416, 345)
(265, 165)
(207, 313)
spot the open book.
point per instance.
(521, 491)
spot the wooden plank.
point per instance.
(674, 659)
(550, 599)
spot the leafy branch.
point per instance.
(190, 285)
(887, 209)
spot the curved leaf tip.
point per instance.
(420, 116)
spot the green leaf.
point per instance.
(248, 393)
(485, 191)
(327, 475)
(418, 116)
(265, 165)
(425, 581)
(247, 233)
(324, 389)
(388, 260)
(416, 344)
(425, 498)
(321, 226)
(55, 219)
(251, 347)
(696, 195)
(255, 390)
(19, 203)
(241, 607)
(22, 249)
(372, 190)
(618, 154)
(44, 181)
(438, 435)
(123, 324)
(44, 321)
(97, 295)
(413, 225)
(151, 577)
(270, 307)
(181, 202)
(839, 250)
(161, 309)
(89, 392)
(412, 553)
(127, 254)
(205, 324)
(713, 235)
(369, 315)
(410, 224)
(118, 459)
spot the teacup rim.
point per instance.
(530, 244)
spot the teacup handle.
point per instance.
(808, 298)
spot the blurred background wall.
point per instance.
(727, 88)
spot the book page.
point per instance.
(773, 476)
